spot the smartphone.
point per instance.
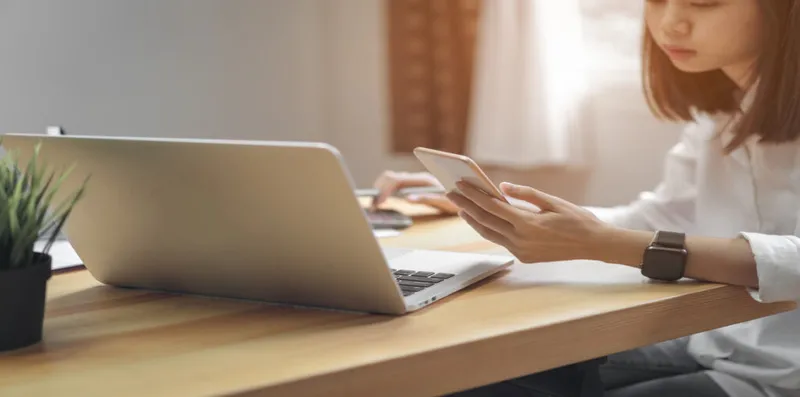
(450, 168)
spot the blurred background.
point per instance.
(542, 92)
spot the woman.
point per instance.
(731, 70)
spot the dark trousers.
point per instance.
(665, 370)
(576, 380)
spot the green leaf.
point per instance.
(13, 205)
(42, 190)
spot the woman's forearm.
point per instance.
(728, 261)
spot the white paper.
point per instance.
(62, 253)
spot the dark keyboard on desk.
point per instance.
(388, 219)
(412, 281)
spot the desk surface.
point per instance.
(105, 341)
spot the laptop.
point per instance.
(269, 221)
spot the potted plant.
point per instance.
(26, 213)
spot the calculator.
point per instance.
(388, 219)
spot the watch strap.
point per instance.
(669, 239)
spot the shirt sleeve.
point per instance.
(778, 267)
(671, 205)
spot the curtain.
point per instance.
(431, 51)
(529, 84)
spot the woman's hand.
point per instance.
(559, 230)
(390, 181)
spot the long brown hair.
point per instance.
(775, 112)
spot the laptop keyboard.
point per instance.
(412, 281)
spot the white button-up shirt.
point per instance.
(754, 193)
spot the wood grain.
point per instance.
(104, 341)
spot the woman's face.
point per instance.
(705, 35)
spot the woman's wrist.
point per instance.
(722, 260)
(617, 245)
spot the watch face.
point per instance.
(663, 263)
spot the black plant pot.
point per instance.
(22, 301)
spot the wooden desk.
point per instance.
(102, 341)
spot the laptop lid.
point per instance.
(272, 221)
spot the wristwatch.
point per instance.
(665, 257)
